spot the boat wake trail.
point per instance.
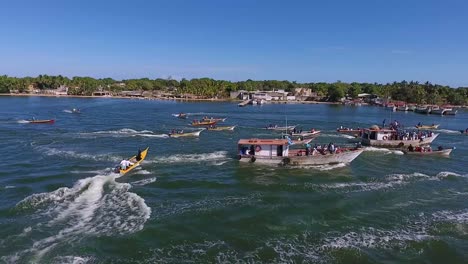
(125, 132)
(95, 206)
(22, 121)
(73, 154)
(384, 150)
(193, 158)
(68, 111)
(143, 182)
(325, 167)
(389, 182)
(447, 131)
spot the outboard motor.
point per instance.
(117, 169)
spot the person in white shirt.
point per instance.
(124, 164)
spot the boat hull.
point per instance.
(136, 163)
(398, 143)
(190, 134)
(318, 159)
(280, 128)
(49, 121)
(204, 123)
(444, 152)
(427, 127)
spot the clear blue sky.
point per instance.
(304, 41)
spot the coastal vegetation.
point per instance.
(410, 92)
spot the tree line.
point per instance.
(411, 92)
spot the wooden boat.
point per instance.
(277, 152)
(443, 152)
(214, 119)
(203, 123)
(221, 128)
(424, 127)
(382, 138)
(135, 162)
(181, 116)
(187, 134)
(305, 134)
(46, 121)
(351, 131)
(278, 128)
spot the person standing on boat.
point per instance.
(138, 156)
(307, 146)
(410, 148)
(383, 123)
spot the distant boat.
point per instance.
(45, 121)
(402, 108)
(187, 134)
(423, 127)
(280, 128)
(221, 128)
(423, 109)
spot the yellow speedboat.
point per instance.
(135, 162)
(422, 127)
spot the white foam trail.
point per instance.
(459, 217)
(73, 154)
(384, 150)
(153, 135)
(94, 206)
(188, 158)
(72, 260)
(68, 111)
(325, 167)
(143, 182)
(447, 131)
(143, 172)
(23, 121)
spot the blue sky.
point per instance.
(304, 41)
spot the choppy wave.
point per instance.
(388, 182)
(143, 182)
(72, 260)
(189, 158)
(325, 167)
(204, 205)
(384, 150)
(94, 206)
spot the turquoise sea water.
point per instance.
(191, 201)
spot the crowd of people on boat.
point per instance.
(411, 135)
(349, 129)
(331, 148)
(272, 126)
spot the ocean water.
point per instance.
(192, 202)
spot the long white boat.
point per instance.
(277, 152)
(280, 128)
(385, 138)
(443, 152)
(305, 134)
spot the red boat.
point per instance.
(46, 121)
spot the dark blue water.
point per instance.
(191, 201)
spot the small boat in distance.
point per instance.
(177, 134)
(350, 131)
(135, 162)
(203, 123)
(277, 152)
(181, 115)
(425, 127)
(212, 119)
(76, 111)
(221, 128)
(37, 121)
(279, 128)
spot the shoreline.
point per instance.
(164, 99)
